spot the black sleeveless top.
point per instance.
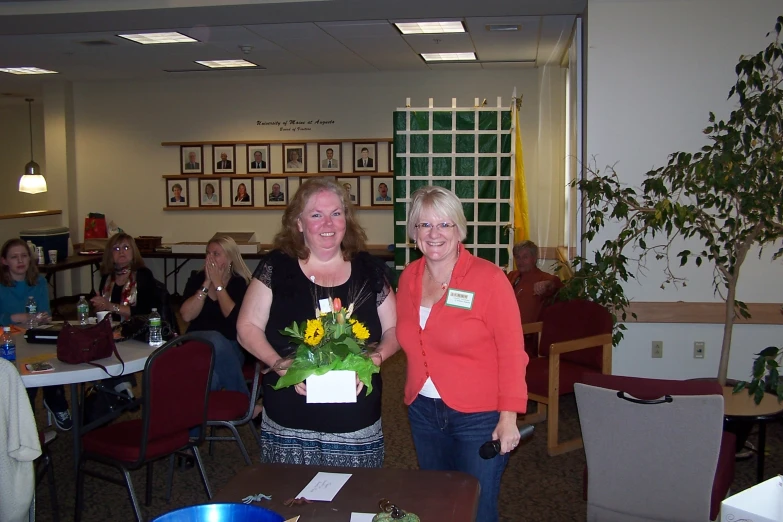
(295, 298)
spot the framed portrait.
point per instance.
(365, 157)
(294, 158)
(382, 191)
(224, 158)
(258, 158)
(177, 192)
(209, 193)
(391, 157)
(330, 157)
(351, 186)
(191, 159)
(241, 192)
(276, 192)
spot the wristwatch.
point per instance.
(218, 288)
(116, 308)
(204, 290)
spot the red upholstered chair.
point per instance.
(575, 340)
(712, 492)
(231, 409)
(175, 387)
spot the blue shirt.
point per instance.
(14, 298)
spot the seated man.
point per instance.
(533, 287)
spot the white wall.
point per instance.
(119, 128)
(655, 69)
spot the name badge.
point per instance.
(460, 298)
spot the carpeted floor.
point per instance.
(535, 486)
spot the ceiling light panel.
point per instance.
(448, 57)
(26, 70)
(430, 27)
(158, 38)
(226, 64)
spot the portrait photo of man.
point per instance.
(258, 158)
(191, 160)
(365, 156)
(329, 154)
(276, 191)
(351, 186)
(381, 191)
(224, 158)
(294, 157)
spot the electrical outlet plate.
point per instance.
(657, 349)
(698, 350)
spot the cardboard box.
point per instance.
(200, 247)
(761, 503)
(240, 237)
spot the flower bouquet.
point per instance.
(332, 341)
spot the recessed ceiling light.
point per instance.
(26, 70)
(158, 38)
(430, 27)
(223, 64)
(447, 57)
(502, 27)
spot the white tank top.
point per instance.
(429, 389)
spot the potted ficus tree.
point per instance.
(727, 198)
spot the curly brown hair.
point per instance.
(31, 276)
(291, 241)
(107, 266)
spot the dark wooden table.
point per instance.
(74, 261)
(441, 496)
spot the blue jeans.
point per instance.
(229, 358)
(449, 440)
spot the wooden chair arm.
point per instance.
(580, 344)
(531, 328)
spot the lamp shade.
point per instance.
(32, 182)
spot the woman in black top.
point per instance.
(318, 254)
(213, 297)
(127, 286)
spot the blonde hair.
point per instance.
(441, 201)
(229, 246)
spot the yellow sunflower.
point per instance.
(314, 332)
(360, 331)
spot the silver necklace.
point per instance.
(443, 284)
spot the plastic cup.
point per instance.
(53, 256)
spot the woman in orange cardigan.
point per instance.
(458, 322)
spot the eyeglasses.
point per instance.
(439, 226)
(123, 247)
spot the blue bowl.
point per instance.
(221, 513)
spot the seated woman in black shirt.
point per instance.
(213, 297)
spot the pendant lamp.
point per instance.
(32, 181)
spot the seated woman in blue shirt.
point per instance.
(20, 280)
(213, 297)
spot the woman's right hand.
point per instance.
(207, 279)
(300, 388)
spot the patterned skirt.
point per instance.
(358, 449)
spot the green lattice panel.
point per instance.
(468, 151)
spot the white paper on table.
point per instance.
(362, 517)
(324, 486)
(333, 386)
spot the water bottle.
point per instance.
(156, 336)
(32, 311)
(83, 309)
(7, 345)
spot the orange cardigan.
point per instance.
(475, 357)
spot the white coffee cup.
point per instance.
(53, 256)
(101, 315)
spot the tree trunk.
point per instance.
(728, 327)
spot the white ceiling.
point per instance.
(286, 36)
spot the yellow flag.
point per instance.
(521, 216)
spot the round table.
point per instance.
(741, 407)
(134, 354)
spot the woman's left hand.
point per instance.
(101, 303)
(359, 386)
(507, 432)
